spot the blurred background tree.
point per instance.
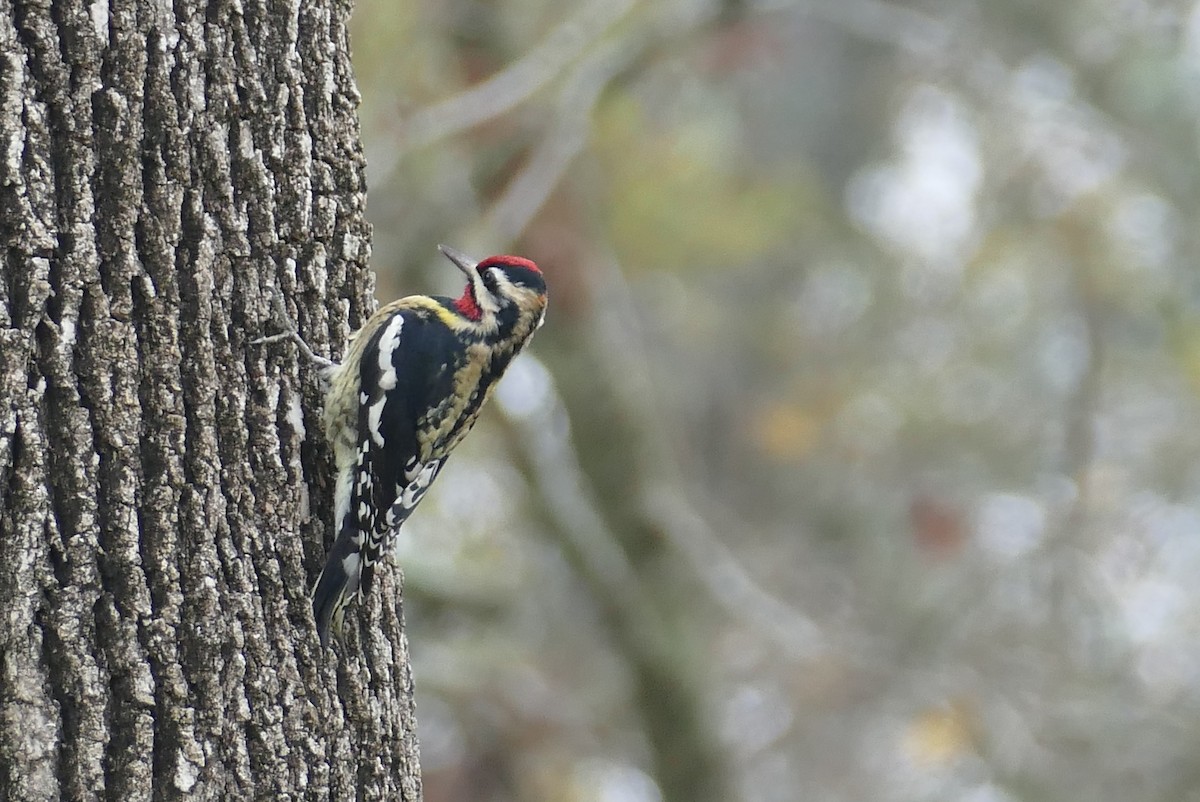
(857, 458)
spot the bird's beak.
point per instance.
(463, 262)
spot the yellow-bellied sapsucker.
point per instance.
(406, 393)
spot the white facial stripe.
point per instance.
(505, 286)
(487, 302)
(516, 292)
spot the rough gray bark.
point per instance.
(163, 167)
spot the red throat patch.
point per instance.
(467, 305)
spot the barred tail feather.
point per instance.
(336, 587)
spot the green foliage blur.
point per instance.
(857, 459)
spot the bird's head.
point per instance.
(508, 288)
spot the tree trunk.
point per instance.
(164, 167)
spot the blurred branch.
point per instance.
(727, 581)
(664, 499)
(549, 161)
(908, 29)
(526, 193)
(543, 433)
(554, 462)
(506, 89)
(688, 762)
(544, 436)
(1076, 599)
(1081, 408)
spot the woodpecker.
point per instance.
(408, 390)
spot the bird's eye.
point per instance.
(489, 281)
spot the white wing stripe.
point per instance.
(375, 417)
(388, 343)
(410, 496)
(389, 340)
